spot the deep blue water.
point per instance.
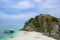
(4, 36)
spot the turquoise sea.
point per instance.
(4, 36)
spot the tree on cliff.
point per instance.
(43, 23)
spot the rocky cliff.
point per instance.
(45, 23)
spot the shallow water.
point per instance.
(4, 36)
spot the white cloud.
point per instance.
(51, 4)
(27, 4)
(6, 3)
(37, 0)
(23, 5)
(16, 17)
(47, 3)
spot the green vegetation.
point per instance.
(44, 23)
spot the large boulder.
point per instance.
(9, 31)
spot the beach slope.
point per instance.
(24, 35)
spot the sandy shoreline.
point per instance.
(24, 35)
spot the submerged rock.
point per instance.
(9, 31)
(21, 29)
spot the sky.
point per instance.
(19, 11)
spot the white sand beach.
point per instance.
(31, 36)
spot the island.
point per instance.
(41, 27)
(44, 23)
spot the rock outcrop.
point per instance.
(9, 31)
(45, 23)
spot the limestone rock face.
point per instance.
(45, 23)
